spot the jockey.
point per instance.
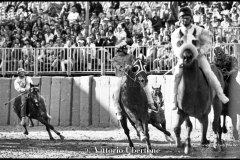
(204, 45)
(120, 61)
(22, 85)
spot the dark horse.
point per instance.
(133, 102)
(36, 109)
(232, 108)
(195, 97)
(157, 119)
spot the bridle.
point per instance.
(34, 95)
(139, 67)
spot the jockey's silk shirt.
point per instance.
(24, 83)
(201, 34)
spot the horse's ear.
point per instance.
(160, 87)
(152, 87)
(194, 32)
(180, 33)
(31, 85)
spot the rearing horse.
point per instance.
(195, 97)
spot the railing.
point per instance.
(78, 60)
(87, 60)
(226, 34)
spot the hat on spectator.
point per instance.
(158, 6)
(127, 17)
(106, 19)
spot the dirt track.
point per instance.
(93, 142)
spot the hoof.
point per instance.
(62, 137)
(26, 133)
(206, 142)
(52, 139)
(224, 130)
(31, 125)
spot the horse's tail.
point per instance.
(50, 117)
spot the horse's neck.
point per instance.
(190, 76)
(133, 87)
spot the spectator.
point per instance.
(77, 6)
(137, 27)
(225, 11)
(110, 12)
(147, 23)
(128, 24)
(164, 13)
(73, 15)
(65, 10)
(115, 5)
(96, 6)
(120, 34)
(156, 22)
(48, 35)
(27, 59)
(64, 57)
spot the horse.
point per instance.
(195, 97)
(133, 101)
(157, 119)
(229, 66)
(36, 109)
(232, 109)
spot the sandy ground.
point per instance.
(104, 143)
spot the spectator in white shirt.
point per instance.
(73, 15)
(120, 34)
(48, 35)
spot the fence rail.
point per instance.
(87, 60)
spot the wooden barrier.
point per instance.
(65, 104)
(14, 120)
(5, 88)
(87, 100)
(76, 83)
(55, 100)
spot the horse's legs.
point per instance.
(26, 131)
(123, 122)
(180, 118)
(216, 125)
(44, 122)
(145, 128)
(224, 128)
(162, 128)
(204, 125)
(48, 130)
(31, 124)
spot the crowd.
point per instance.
(64, 25)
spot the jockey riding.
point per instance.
(120, 61)
(202, 44)
(22, 85)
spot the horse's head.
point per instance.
(186, 46)
(157, 96)
(34, 94)
(138, 72)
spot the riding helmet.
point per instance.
(20, 70)
(185, 11)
